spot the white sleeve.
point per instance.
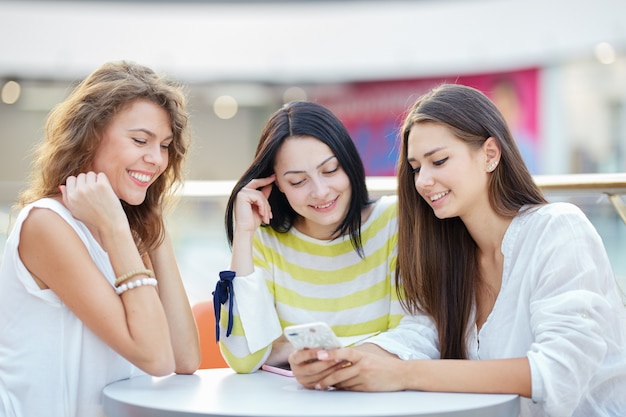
(568, 349)
(415, 337)
(573, 297)
(255, 307)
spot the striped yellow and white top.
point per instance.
(308, 280)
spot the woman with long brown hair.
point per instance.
(509, 293)
(90, 292)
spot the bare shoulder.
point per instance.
(43, 223)
(46, 242)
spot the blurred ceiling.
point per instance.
(302, 41)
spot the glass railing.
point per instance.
(200, 238)
(197, 223)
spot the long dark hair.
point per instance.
(305, 118)
(437, 258)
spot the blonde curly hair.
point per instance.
(73, 131)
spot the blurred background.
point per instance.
(556, 69)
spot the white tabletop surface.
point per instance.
(222, 392)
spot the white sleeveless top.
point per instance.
(51, 364)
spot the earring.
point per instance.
(492, 166)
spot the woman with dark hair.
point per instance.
(90, 292)
(308, 243)
(511, 293)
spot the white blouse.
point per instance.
(559, 306)
(51, 364)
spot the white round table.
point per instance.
(222, 392)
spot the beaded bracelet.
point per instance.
(132, 274)
(134, 284)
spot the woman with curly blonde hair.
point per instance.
(90, 292)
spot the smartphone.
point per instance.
(312, 336)
(283, 369)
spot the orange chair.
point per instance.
(205, 320)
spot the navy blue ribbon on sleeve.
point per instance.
(223, 288)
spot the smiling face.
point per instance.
(449, 174)
(133, 149)
(314, 183)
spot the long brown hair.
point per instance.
(73, 131)
(437, 258)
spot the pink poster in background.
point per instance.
(373, 112)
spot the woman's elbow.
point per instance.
(158, 369)
(158, 365)
(188, 365)
(242, 368)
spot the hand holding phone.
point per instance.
(317, 335)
